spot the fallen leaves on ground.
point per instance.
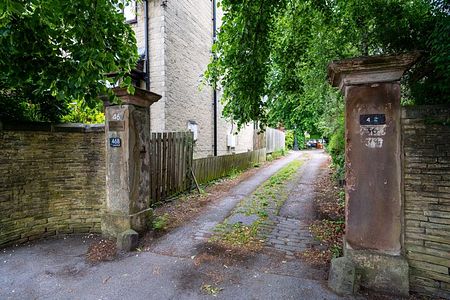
(329, 226)
(329, 200)
(226, 254)
(328, 232)
(316, 257)
(102, 250)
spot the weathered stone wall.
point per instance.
(52, 181)
(426, 177)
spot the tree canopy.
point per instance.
(271, 57)
(56, 53)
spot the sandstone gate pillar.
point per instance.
(127, 162)
(373, 238)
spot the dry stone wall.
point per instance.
(52, 181)
(426, 177)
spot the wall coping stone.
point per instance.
(370, 69)
(424, 111)
(51, 127)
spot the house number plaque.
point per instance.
(115, 142)
(374, 119)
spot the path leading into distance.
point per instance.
(172, 269)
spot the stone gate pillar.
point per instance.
(373, 236)
(127, 162)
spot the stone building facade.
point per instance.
(180, 37)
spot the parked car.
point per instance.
(321, 143)
(311, 144)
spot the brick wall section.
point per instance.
(51, 182)
(426, 177)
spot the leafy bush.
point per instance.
(160, 223)
(336, 148)
(80, 112)
(289, 139)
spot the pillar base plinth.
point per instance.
(370, 270)
(114, 224)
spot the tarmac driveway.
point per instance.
(57, 269)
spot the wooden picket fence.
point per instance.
(211, 168)
(171, 156)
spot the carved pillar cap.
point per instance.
(371, 69)
(141, 97)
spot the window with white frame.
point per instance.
(130, 11)
(193, 127)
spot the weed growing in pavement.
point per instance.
(269, 197)
(210, 289)
(238, 235)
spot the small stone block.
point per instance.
(127, 240)
(342, 276)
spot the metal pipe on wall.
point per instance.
(147, 50)
(215, 90)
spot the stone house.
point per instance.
(180, 37)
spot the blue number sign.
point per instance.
(375, 119)
(115, 142)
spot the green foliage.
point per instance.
(271, 57)
(289, 139)
(160, 223)
(239, 62)
(80, 112)
(276, 154)
(54, 53)
(233, 173)
(336, 148)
